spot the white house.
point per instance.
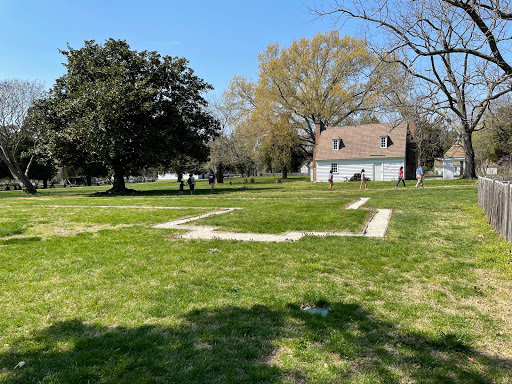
(379, 149)
(305, 170)
(454, 162)
(490, 169)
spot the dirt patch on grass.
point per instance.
(45, 231)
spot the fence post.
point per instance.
(507, 210)
(491, 198)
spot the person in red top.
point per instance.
(400, 177)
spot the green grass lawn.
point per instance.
(90, 293)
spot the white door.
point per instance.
(377, 172)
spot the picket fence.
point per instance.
(494, 196)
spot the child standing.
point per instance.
(191, 183)
(211, 181)
(330, 179)
(400, 177)
(181, 187)
(363, 180)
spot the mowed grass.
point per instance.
(90, 293)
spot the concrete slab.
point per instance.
(378, 224)
(376, 227)
(358, 203)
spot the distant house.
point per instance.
(490, 169)
(305, 170)
(174, 176)
(453, 161)
(379, 149)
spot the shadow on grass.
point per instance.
(239, 345)
(22, 240)
(186, 192)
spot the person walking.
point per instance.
(400, 178)
(191, 183)
(330, 179)
(363, 181)
(211, 181)
(419, 177)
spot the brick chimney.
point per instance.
(319, 128)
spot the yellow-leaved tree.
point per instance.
(328, 78)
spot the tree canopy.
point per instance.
(126, 109)
(326, 78)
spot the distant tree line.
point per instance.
(118, 112)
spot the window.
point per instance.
(334, 167)
(335, 144)
(383, 141)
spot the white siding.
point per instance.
(168, 176)
(347, 168)
(391, 168)
(491, 170)
(174, 176)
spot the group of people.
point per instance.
(401, 178)
(191, 181)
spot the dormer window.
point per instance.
(336, 144)
(383, 141)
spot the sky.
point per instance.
(220, 38)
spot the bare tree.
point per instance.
(492, 18)
(458, 75)
(232, 148)
(16, 99)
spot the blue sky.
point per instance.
(220, 38)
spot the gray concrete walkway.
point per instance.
(376, 227)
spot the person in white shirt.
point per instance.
(363, 180)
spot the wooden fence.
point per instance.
(494, 196)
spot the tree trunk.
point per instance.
(88, 180)
(220, 174)
(469, 169)
(285, 173)
(20, 177)
(25, 183)
(118, 186)
(45, 183)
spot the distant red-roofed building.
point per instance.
(379, 149)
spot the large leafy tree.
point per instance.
(126, 109)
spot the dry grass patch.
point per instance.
(70, 229)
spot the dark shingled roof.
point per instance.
(362, 142)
